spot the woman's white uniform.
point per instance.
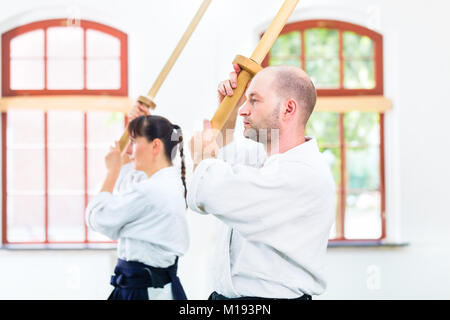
(147, 216)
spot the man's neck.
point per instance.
(285, 143)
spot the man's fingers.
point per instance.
(221, 89)
(236, 68)
(233, 79)
(207, 124)
(228, 88)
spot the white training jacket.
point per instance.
(147, 215)
(278, 213)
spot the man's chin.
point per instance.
(251, 134)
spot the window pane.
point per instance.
(324, 126)
(66, 218)
(26, 218)
(359, 63)
(65, 74)
(356, 46)
(66, 128)
(101, 45)
(96, 168)
(321, 43)
(104, 127)
(25, 127)
(363, 168)
(66, 150)
(324, 73)
(65, 42)
(363, 215)
(322, 57)
(287, 45)
(28, 45)
(27, 74)
(359, 74)
(362, 129)
(333, 158)
(103, 74)
(25, 169)
(66, 170)
(287, 61)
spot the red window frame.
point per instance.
(8, 92)
(45, 24)
(377, 39)
(341, 26)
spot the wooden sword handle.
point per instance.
(229, 103)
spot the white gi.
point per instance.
(148, 216)
(278, 214)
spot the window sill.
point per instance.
(59, 246)
(366, 244)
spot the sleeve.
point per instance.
(243, 152)
(127, 177)
(107, 213)
(242, 197)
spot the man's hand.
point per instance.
(203, 144)
(226, 87)
(138, 110)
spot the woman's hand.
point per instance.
(113, 159)
(138, 110)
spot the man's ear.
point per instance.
(290, 109)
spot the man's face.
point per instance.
(261, 111)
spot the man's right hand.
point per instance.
(138, 110)
(226, 87)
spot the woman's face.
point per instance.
(143, 153)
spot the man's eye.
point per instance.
(252, 101)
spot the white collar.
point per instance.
(297, 153)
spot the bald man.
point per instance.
(277, 210)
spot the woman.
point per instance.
(146, 215)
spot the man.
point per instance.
(279, 210)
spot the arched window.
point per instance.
(49, 57)
(345, 62)
(59, 85)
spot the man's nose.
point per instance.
(244, 111)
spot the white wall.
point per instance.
(417, 74)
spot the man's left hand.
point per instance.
(203, 144)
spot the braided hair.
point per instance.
(157, 127)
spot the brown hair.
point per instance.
(157, 127)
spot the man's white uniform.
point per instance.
(278, 213)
